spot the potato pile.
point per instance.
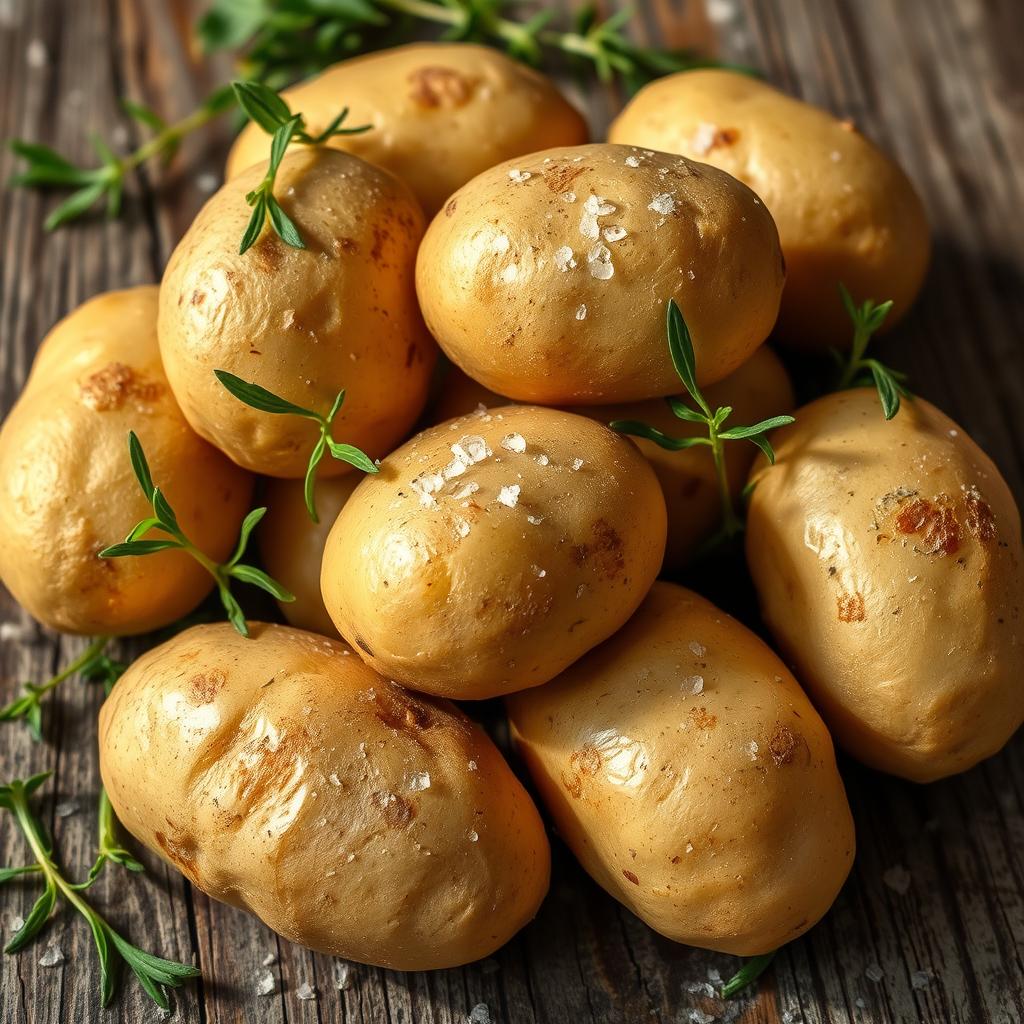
(507, 541)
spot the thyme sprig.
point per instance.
(751, 970)
(155, 974)
(164, 520)
(680, 347)
(265, 108)
(859, 370)
(45, 168)
(266, 401)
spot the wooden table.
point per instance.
(934, 909)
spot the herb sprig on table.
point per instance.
(165, 521)
(680, 347)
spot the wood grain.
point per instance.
(939, 83)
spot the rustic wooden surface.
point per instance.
(936, 900)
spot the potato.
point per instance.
(758, 389)
(492, 551)
(887, 559)
(690, 775)
(303, 323)
(441, 113)
(282, 775)
(67, 489)
(845, 211)
(292, 545)
(546, 278)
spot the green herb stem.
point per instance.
(97, 647)
(751, 970)
(731, 522)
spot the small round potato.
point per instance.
(67, 489)
(887, 558)
(282, 775)
(546, 278)
(292, 545)
(846, 212)
(492, 551)
(690, 775)
(302, 323)
(440, 114)
(758, 389)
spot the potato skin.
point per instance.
(758, 389)
(292, 545)
(846, 212)
(719, 818)
(887, 559)
(303, 323)
(493, 296)
(463, 587)
(279, 774)
(441, 113)
(67, 489)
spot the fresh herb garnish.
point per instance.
(266, 401)
(154, 973)
(681, 349)
(867, 319)
(48, 169)
(92, 663)
(165, 520)
(265, 108)
(751, 970)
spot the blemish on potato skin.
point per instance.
(934, 521)
(783, 744)
(850, 607)
(604, 554)
(115, 384)
(433, 87)
(205, 686)
(702, 718)
(631, 877)
(396, 810)
(980, 519)
(560, 177)
(181, 853)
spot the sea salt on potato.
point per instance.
(545, 278)
(887, 557)
(493, 550)
(282, 775)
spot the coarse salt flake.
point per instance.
(519, 176)
(695, 684)
(462, 527)
(632, 161)
(342, 976)
(581, 311)
(752, 749)
(471, 449)
(53, 957)
(874, 972)
(662, 203)
(306, 991)
(535, 520)
(613, 233)
(897, 878)
(577, 465)
(514, 443)
(697, 649)
(480, 1014)
(266, 985)
(334, 780)
(564, 258)
(509, 495)
(541, 459)
(599, 262)
(599, 206)
(466, 490)
(473, 836)
(419, 781)
(472, 766)
(569, 197)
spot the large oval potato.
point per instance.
(758, 389)
(546, 278)
(441, 113)
(67, 489)
(887, 559)
(292, 545)
(303, 323)
(845, 211)
(690, 775)
(493, 550)
(282, 775)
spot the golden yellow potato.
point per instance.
(845, 211)
(302, 323)
(67, 489)
(688, 772)
(441, 113)
(758, 389)
(492, 551)
(282, 775)
(887, 559)
(292, 545)
(546, 278)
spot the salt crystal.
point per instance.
(564, 258)
(472, 766)
(66, 808)
(788, 1018)
(53, 957)
(535, 520)
(599, 262)
(581, 590)
(465, 491)
(426, 485)
(269, 960)
(700, 1017)
(698, 649)
(569, 197)
(752, 749)
(351, 857)
(471, 449)
(342, 976)
(860, 1003)
(514, 443)
(480, 1014)
(306, 991)
(519, 176)
(266, 986)
(577, 465)
(695, 684)
(17, 923)
(541, 573)
(662, 203)
(454, 468)
(541, 459)
(613, 233)
(632, 161)
(462, 527)
(897, 878)
(691, 275)
(588, 226)
(714, 976)
(509, 495)
(419, 781)
(921, 979)
(874, 972)
(473, 836)
(598, 206)
(689, 847)
(581, 311)
(701, 988)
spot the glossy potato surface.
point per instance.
(493, 550)
(282, 775)
(302, 323)
(887, 559)
(440, 114)
(545, 278)
(846, 212)
(690, 775)
(67, 489)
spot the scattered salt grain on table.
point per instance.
(66, 808)
(53, 957)
(342, 976)
(306, 991)
(480, 1014)
(266, 985)
(921, 979)
(269, 960)
(874, 972)
(897, 878)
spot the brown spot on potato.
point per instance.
(604, 554)
(268, 252)
(114, 385)
(935, 523)
(401, 711)
(181, 852)
(396, 811)
(198, 298)
(784, 744)
(702, 718)
(631, 877)
(574, 785)
(363, 645)
(449, 210)
(980, 519)
(561, 176)
(586, 761)
(433, 87)
(718, 138)
(381, 236)
(206, 685)
(850, 607)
